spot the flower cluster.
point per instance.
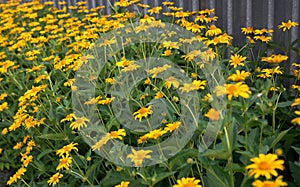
(50, 143)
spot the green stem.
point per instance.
(230, 161)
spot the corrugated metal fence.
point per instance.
(233, 14)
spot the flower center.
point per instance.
(189, 185)
(232, 89)
(143, 110)
(263, 166)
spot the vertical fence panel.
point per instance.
(248, 8)
(270, 14)
(229, 16)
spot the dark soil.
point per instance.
(4, 176)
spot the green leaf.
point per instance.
(297, 149)
(42, 154)
(57, 136)
(279, 137)
(91, 169)
(216, 177)
(295, 171)
(284, 104)
(162, 176)
(216, 153)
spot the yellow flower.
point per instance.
(207, 97)
(287, 25)
(238, 89)
(2, 96)
(55, 179)
(170, 45)
(233, 90)
(275, 59)
(101, 142)
(67, 149)
(155, 10)
(172, 126)
(117, 134)
(69, 117)
(296, 102)
(69, 82)
(1, 151)
(265, 39)
(143, 112)
(64, 162)
(18, 145)
(296, 121)
(171, 81)
(130, 68)
(195, 28)
(123, 184)
(279, 152)
(137, 157)
(265, 165)
(154, 134)
(3, 106)
(213, 114)
(26, 160)
(237, 60)
(106, 101)
(167, 3)
(248, 30)
(277, 183)
(213, 31)
(159, 95)
(188, 182)
(93, 101)
(110, 80)
(195, 85)
(16, 176)
(124, 62)
(79, 122)
(270, 72)
(239, 76)
(167, 53)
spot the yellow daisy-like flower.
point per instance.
(123, 184)
(277, 183)
(137, 157)
(213, 115)
(67, 149)
(171, 81)
(275, 59)
(124, 62)
(237, 60)
(195, 85)
(263, 38)
(101, 142)
(213, 31)
(265, 165)
(287, 25)
(155, 10)
(188, 182)
(172, 126)
(143, 112)
(55, 179)
(296, 102)
(233, 90)
(117, 134)
(239, 76)
(155, 71)
(248, 30)
(64, 163)
(79, 123)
